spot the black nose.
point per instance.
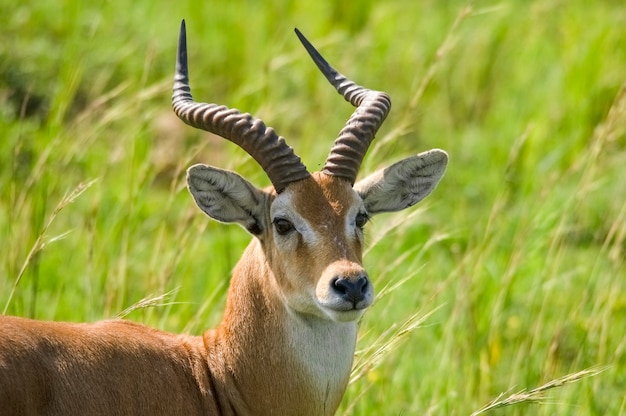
(351, 289)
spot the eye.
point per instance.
(282, 226)
(361, 220)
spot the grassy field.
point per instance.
(511, 275)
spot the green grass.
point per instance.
(511, 275)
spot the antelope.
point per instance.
(286, 342)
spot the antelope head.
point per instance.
(309, 225)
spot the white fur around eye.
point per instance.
(282, 208)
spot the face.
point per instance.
(317, 231)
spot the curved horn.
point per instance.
(270, 150)
(347, 153)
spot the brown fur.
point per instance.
(286, 342)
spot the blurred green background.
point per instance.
(510, 275)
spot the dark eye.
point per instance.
(282, 226)
(361, 220)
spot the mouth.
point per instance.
(340, 310)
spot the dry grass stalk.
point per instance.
(149, 302)
(536, 395)
(41, 240)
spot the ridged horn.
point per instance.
(270, 150)
(348, 151)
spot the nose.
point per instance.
(351, 289)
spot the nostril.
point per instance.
(364, 283)
(341, 285)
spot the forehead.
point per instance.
(319, 197)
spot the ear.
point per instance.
(402, 184)
(227, 197)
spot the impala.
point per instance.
(286, 342)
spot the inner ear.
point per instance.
(404, 183)
(227, 197)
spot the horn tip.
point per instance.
(181, 54)
(327, 70)
(301, 36)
